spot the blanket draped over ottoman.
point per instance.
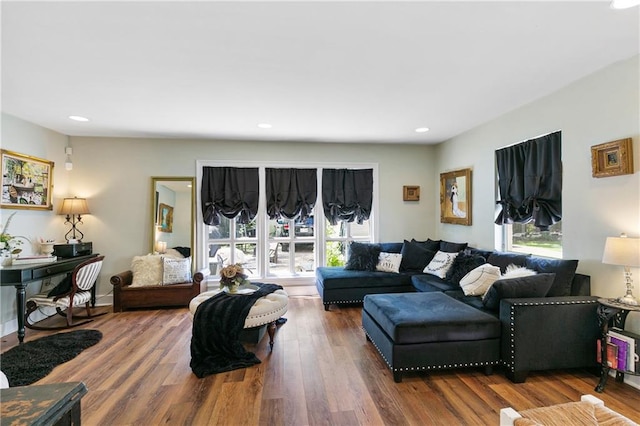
(217, 323)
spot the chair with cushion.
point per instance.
(156, 281)
(77, 293)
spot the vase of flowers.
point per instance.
(232, 277)
(8, 243)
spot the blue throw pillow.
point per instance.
(514, 288)
(363, 257)
(449, 247)
(565, 270)
(462, 265)
(433, 245)
(415, 256)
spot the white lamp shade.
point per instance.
(622, 251)
(71, 206)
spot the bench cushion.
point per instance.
(334, 277)
(409, 318)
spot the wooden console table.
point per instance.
(54, 404)
(20, 276)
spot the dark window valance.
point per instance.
(229, 191)
(291, 192)
(530, 182)
(347, 195)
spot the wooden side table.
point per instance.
(53, 404)
(614, 312)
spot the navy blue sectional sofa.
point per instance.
(558, 330)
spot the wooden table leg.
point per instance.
(271, 329)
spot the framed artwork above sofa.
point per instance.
(455, 197)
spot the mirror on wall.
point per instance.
(173, 214)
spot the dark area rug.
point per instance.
(31, 361)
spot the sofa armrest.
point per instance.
(548, 333)
(201, 275)
(122, 279)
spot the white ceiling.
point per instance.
(316, 71)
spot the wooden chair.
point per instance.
(83, 278)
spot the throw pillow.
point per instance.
(63, 287)
(521, 287)
(478, 281)
(147, 270)
(514, 271)
(450, 247)
(415, 256)
(433, 245)
(362, 257)
(565, 270)
(175, 271)
(389, 262)
(462, 264)
(440, 264)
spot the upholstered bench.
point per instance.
(262, 316)
(430, 331)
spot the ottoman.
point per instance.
(262, 315)
(430, 331)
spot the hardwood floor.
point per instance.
(321, 371)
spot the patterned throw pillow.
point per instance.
(389, 262)
(176, 271)
(147, 270)
(440, 264)
(478, 281)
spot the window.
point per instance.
(529, 178)
(280, 247)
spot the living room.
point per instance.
(114, 173)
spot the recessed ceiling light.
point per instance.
(422, 129)
(265, 125)
(78, 118)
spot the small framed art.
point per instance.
(165, 218)
(26, 182)
(612, 158)
(455, 197)
(410, 193)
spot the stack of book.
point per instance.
(622, 350)
(27, 260)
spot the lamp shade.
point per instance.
(71, 206)
(622, 251)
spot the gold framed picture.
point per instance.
(455, 197)
(165, 218)
(410, 193)
(26, 182)
(612, 158)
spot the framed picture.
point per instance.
(410, 193)
(26, 182)
(612, 158)
(165, 221)
(455, 197)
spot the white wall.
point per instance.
(602, 107)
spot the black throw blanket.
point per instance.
(217, 323)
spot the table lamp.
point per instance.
(625, 252)
(74, 208)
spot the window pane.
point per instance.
(335, 253)
(218, 257)
(359, 231)
(246, 256)
(335, 231)
(245, 230)
(304, 257)
(529, 239)
(278, 259)
(220, 231)
(304, 228)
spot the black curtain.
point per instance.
(347, 194)
(530, 182)
(229, 191)
(291, 192)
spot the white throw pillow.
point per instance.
(440, 264)
(389, 262)
(176, 271)
(147, 270)
(478, 280)
(514, 271)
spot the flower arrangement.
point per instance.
(7, 240)
(232, 276)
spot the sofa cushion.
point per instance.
(565, 270)
(427, 283)
(514, 288)
(478, 281)
(415, 256)
(450, 247)
(503, 259)
(146, 270)
(462, 265)
(176, 271)
(480, 252)
(433, 245)
(389, 262)
(390, 247)
(362, 257)
(336, 277)
(440, 264)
